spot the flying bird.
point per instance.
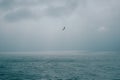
(63, 28)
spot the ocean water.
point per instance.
(66, 65)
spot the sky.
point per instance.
(35, 25)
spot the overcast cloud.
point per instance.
(33, 25)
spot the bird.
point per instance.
(63, 28)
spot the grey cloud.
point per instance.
(18, 15)
(103, 12)
(82, 17)
(68, 8)
(10, 4)
(6, 4)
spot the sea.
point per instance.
(60, 65)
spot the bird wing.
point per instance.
(63, 28)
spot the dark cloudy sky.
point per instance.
(33, 25)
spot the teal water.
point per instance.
(88, 66)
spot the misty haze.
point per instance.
(59, 39)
